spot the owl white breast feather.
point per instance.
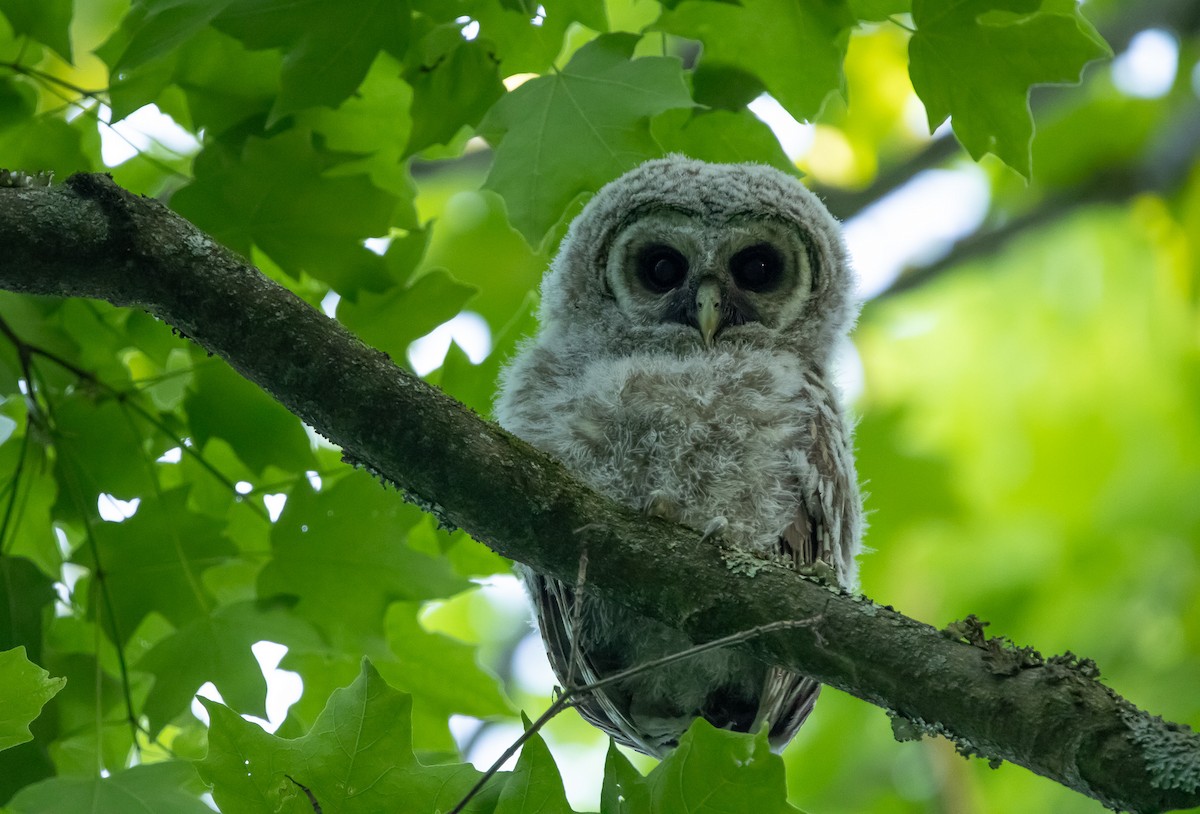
(682, 367)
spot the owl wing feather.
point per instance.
(822, 529)
(788, 697)
(554, 608)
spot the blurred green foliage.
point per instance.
(1028, 403)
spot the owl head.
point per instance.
(683, 256)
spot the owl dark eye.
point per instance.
(661, 268)
(757, 268)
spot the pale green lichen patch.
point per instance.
(1172, 751)
(819, 569)
(905, 728)
(743, 562)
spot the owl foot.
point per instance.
(820, 569)
(715, 528)
(659, 505)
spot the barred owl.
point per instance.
(682, 367)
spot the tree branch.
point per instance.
(90, 238)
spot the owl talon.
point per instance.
(820, 569)
(659, 505)
(715, 528)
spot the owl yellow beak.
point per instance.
(708, 310)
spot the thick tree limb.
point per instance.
(90, 238)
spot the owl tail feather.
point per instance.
(787, 700)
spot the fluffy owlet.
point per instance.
(682, 367)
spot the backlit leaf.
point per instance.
(356, 758)
(600, 104)
(276, 194)
(351, 533)
(24, 690)
(713, 771)
(535, 786)
(975, 62)
(328, 47)
(159, 787)
(47, 21)
(799, 62)
(216, 647)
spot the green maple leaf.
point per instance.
(525, 48)
(475, 385)
(153, 561)
(878, 10)
(220, 81)
(453, 84)
(624, 790)
(46, 21)
(975, 61)
(795, 48)
(216, 648)
(721, 137)
(278, 194)
(155, 28)
(152, 789)
(27, 592)
(569, 133)
(24, 690)
(328, 47)
(535, 786)
(712, 771)
(357, 757)
(375, 119)
(392, 320)
(100, 448)
(29, 534)
(423, 660)
(221, 404)
(351, 533)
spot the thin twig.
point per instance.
(49, 78)
(53, 84)
(23, 359)
(16, 488)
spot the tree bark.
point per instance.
(90, 238)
